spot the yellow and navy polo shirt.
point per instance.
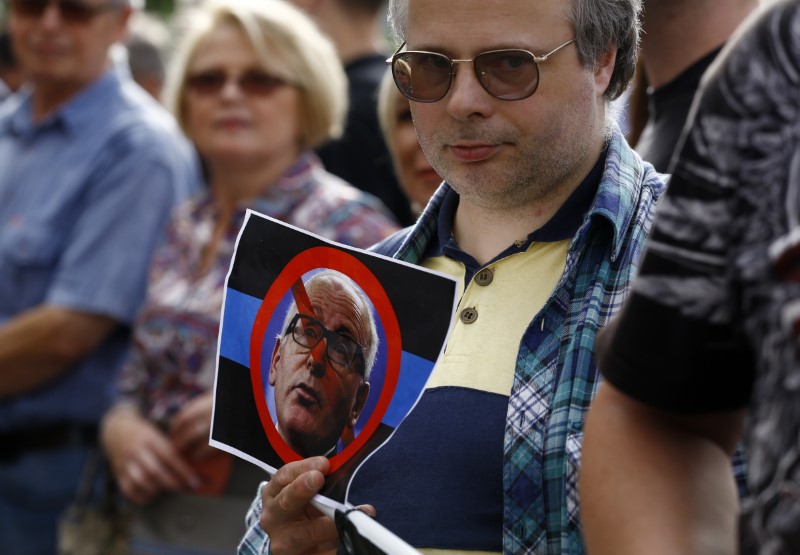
(438, 481)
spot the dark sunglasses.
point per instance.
(504, 74)
(253, 82)
(71, 11)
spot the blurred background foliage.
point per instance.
(162, 8)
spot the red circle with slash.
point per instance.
(346, 263)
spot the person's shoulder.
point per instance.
(336, 191)
(627, 196)
(142, 128)
(8, 105)
(627, 173)
(140, 134)
(764, 52)
(142, 111)
(390, 245)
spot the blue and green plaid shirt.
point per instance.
(556, 375)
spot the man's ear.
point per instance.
(358, 405)
(604, 68)
(276, 357)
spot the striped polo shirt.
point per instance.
(438, 482)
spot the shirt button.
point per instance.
(484, 277)
(469, 315)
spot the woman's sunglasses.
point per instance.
(253, 82)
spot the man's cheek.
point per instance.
(331, 386)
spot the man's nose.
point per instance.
(51, 17)
(317, 359)
(467, 96)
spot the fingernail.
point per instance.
(314, 480)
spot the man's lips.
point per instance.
(307, 396)
(473, 152)
(49, 49)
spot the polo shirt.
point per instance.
(556, 375)
(457, 427)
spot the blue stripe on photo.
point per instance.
(237, 322)
(414, 372)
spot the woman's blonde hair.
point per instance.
(288, 45)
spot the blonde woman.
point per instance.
(416, 176)
(256, 87)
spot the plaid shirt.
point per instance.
(556, 374)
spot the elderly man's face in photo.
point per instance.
(321, 390)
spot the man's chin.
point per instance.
(308, 445)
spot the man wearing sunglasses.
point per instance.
(321, 365)
(542, 219)
(91, 168)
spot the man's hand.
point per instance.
(143, 459)
(293, 525)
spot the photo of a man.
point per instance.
(321, 363)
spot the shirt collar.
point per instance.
(619, 189)
(82, 111)
(77, 113)
(15, 112)
(563, 225)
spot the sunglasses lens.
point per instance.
(29, 8)
(206, 83)
(76, 12)
(422, 76)
(69, 10)
(508, 74)
(254, 83)
(258, 83)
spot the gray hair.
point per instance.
(328, 276)
(287, 43)
(599, 25)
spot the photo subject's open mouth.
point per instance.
(307, 396)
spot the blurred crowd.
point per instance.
(131, 146)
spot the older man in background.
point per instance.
(91, 168)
